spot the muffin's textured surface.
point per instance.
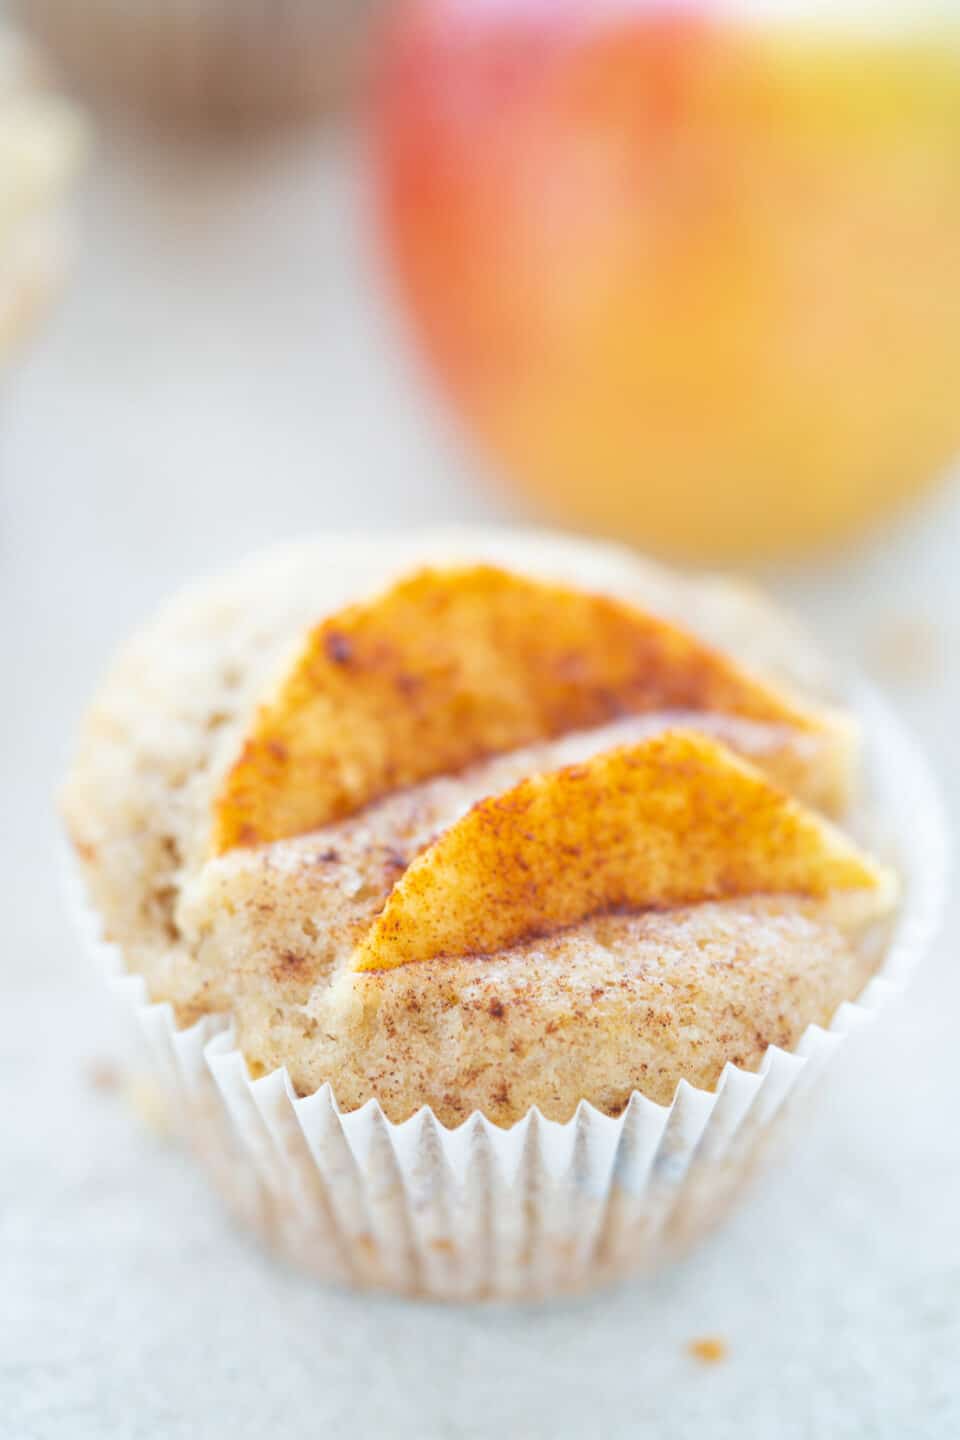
(269, 932)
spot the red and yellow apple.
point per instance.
(687, 281)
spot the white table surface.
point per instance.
(220, 374)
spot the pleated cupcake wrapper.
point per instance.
(543, 1208)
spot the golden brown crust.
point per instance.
(453, 665)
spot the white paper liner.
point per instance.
(543, 1208)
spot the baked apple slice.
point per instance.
(451, 666)
(673, 821)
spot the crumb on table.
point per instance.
(708, 1349)
(148, 1102)
(103, 1075)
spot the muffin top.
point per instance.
(478, 822)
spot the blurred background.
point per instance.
(685, 274)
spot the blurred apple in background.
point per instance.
(690, 278)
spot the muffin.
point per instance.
(209, 64)
(516, 868)
(41, 144)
